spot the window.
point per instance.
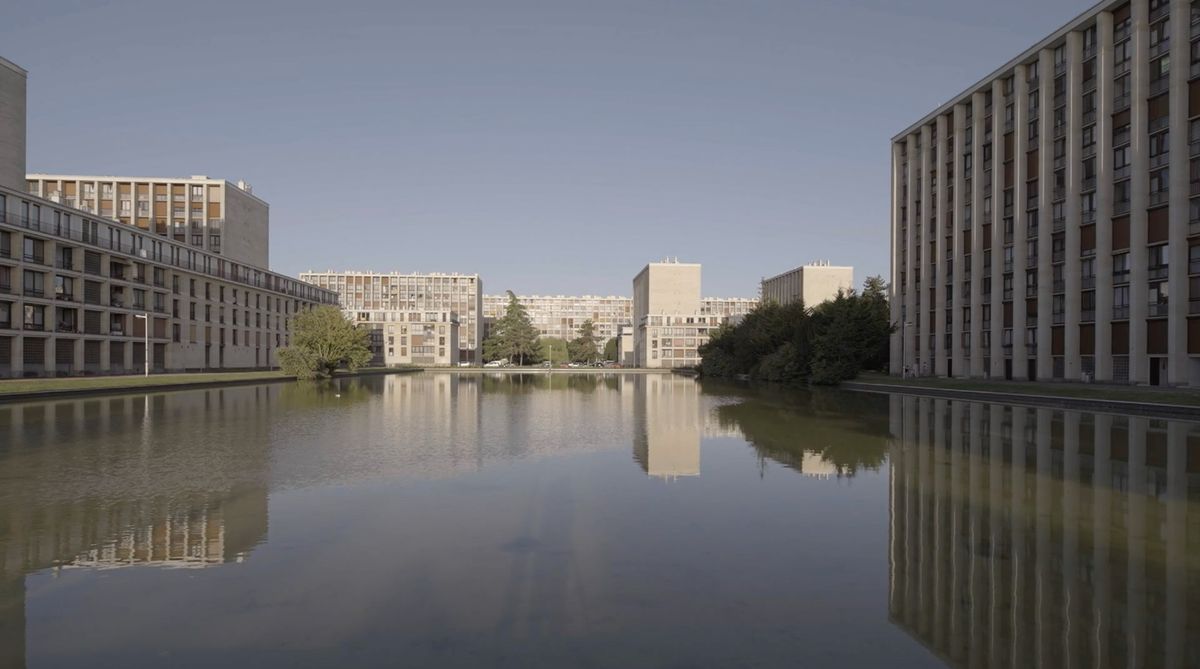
(35, 317)
(1121, 267)
(1158, 256)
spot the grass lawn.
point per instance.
(135, 382)
(1052, 389)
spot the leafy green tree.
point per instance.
(583, 348)
(513, 336)
(323, 339)
(554, 349)
(610, 349)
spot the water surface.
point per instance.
(458, 520)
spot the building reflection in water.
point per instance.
(70, 500)
(1033, 537)
(668, 423)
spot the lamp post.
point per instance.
(146, 340)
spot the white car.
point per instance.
(496, 363)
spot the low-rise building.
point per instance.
(811, 284)
(429, 339)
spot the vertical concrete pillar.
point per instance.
(911, 317)
(1179, 212)
(1071, 269)
(1020, 356)
(995, 299)
(1104, 201)
(960, 270)
(895, 295)
(944, 227)
(927, 229)
(1139, 185)
(979, 181)
(1045, 272)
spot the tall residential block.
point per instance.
(12, 125)
(374, 297)
(811, 284)
(211, 214)
(668, 323)
(1046, 221)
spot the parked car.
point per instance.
(496, 363)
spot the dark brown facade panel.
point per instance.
(987, 236)
(1120, 233)
(1087, 339)
(1120, 13)
(1158, 225)
(1008, 145)
(1008, 175)
(1158, 107)
(1193, 335)
(1194, 97)
(1031, 164)
(1120, 118)
(1120, 338)
(1087, 238)
(1056, 340)
(1156, 337)
(1008, 317)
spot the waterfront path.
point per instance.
(1181, 402)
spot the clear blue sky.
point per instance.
(553, 147)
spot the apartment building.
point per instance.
(560, 316)
(211, 214)
(1046, 221)
(428, 339)
(668, 321)
(375, 297)
(810, 284)
(80, 294)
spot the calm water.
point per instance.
(621, 521)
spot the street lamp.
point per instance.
(146, 339)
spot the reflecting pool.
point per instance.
(619, 520)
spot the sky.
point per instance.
(553, 147)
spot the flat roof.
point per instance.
(116, 177)
(803, 267)
(13, 66)
(1022, 59)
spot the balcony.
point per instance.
(1031, 261)
(1089, 151)
(1161, 12)
(1120, 276)
(34, 258)
(1158, 124)
(34, 326)
(1157, 272)
(1060, 130)
(1087, 282)
(1089, 117)
(1120, 208)
(1121, 102)
(1121, 137)
(1033, 142)
(1160, 160)
(1194, 267)
(1158, 198)
(1163, 46)
(1058, 224)
(1031, 291)
(66, 264)
(65, 296)
(1008, 295)
(33, 291)
(1120, 313)
(5, 288)
(1059, 286)
(1088, 217)
(1058, 319)
(66, 327)
(1194, 188)
(1157, 309)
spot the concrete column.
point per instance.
(1020, 222)
(1138, 186)
(927, 228)
(1071, 270)
(1045, 271)
(1179, 212)
(945, 208)
(895, 296)
(961, 196)
(979, 179)
(18, 352)
(1104, 201)
(911, 316)
(995, 351)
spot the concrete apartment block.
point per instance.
(1046, 221)
(12, 125)
(211, 214)
(811, 284)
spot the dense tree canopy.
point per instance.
(829, 343)
(323, 339)
(610, 349)
(583, 348)
(513, 336)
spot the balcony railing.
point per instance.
(1120, 313)
(1160, 123)
(1120, 276)
(1194, 307)
(65, 296)
(1157, 271)
(1158, 198)
(1160, 160)
(1121, 207)
(1087, 282)
(30, 291)
(1121, 137)
(1031, 291)
(1088, 217)
(1087, 316)
(1121, 102)
(1161, 11)
(1089, 151)
(1155, 309)
(1058, 319)
(1031, 261)
(1059, 224)
(1163, 46)
(1059, 286)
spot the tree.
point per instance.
(513, 336)
(583, 348)
(323, 339)
(610, 350)
(554, 349)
